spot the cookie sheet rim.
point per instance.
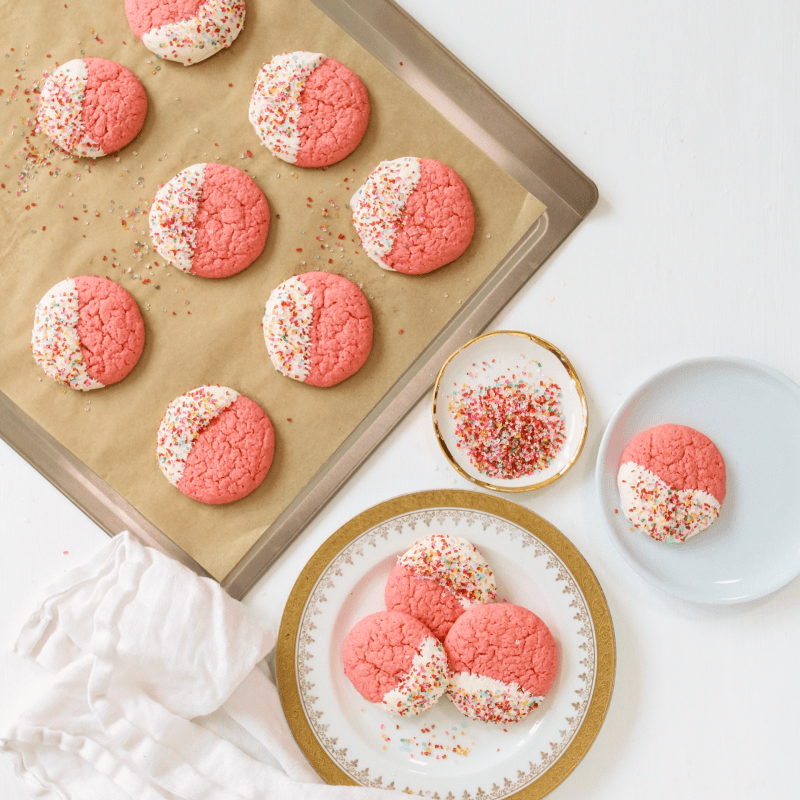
(288, 634)
(499, 486)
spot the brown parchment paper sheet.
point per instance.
(63, 217)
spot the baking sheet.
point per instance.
(66, 217)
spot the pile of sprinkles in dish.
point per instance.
(510, 428)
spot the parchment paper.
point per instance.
(64, 217)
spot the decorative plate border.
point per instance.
(591, 609)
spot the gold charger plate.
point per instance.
(441, 754)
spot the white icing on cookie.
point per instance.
(275, 104)
(455, 564)
(55, 343)
(379, 204)
(60, 111)
(214, 27)
(425, 682)
(483, 698)
(185, 417)
(172, 216)
(666, 514)
(287, 328)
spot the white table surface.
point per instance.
(686, 116)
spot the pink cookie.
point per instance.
(671, 482)
(437, 580)
(87, 333)
(308, 109)
(210, 220)
(91, 107)
(392, 659)
(504, 661)
(318, 328)
(215, 445)
(413, 215)
(188, 31)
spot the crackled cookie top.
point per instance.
(308, 109)
(671, 482)
(413, 215)
(215, 445)
(504, 661)
(188, 31)
(393, 660)
(210, 220)
(91, 107)
(87, 333)
(317, 328)
(438, 579)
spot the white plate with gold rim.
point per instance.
(441, 754)
(499, 357)
(752, 413)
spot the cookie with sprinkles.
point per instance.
(187, 31)
(437, 580)
(393, 660)
(504, 662)
(317, 328)
(309, 109)
(671, 482)
(215, 445)
(91, 107)
(413, 215)
(210, 220)
(87, 333)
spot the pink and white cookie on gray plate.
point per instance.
(215, 445)
(672, 482)
(393, 660)
(188, 31)
(317, 328)
(437, 580)
(87, 333)
(504, 661)
(91, 107)
(309, 109)
(413, 215)
(210, 220)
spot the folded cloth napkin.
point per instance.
(157, 692)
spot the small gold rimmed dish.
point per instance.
(509, 411)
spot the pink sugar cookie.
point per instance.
(210, 220)
(91, 107)
(437, 580)
(393, 660)
(188, 31)
(318, 328)
(87, 333)
(504, 661)
(413, 215)
(308, 109)
(215, 445)
(671, 482)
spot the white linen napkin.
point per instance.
(157, 694)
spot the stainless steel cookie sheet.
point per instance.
(390, 35)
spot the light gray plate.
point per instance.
(752, 413)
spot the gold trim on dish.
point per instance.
(499, 487)
(286, 657)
